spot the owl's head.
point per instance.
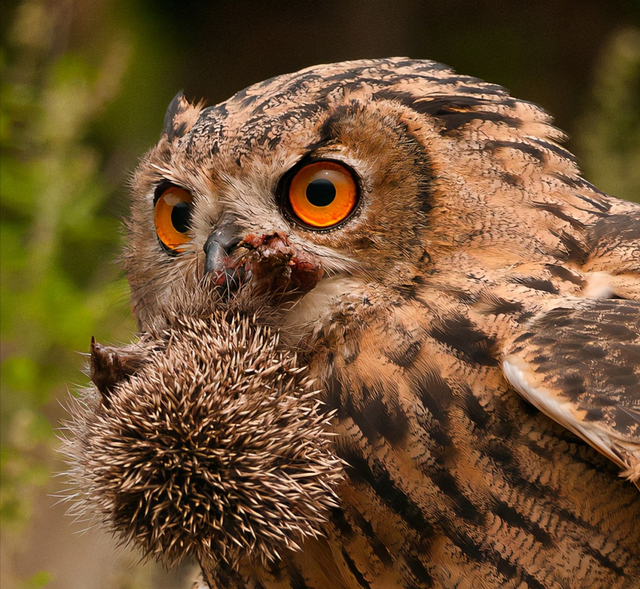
(314, 184)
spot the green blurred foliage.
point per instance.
(53, 222)
(608, 134)
(74, 117)
(37, 581)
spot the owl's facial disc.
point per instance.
(317, 194)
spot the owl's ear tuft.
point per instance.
(180, 117)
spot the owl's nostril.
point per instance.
(214, 254)
(218, 246)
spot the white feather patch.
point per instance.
(315, 306)
(564, 412)
(598, 286)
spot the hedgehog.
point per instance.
(205, 439)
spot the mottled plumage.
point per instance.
(477, 273)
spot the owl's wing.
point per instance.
(580, 364)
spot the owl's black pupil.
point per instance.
(321, 192)
(181, 217)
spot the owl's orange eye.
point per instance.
(323, 194)
(172, 217)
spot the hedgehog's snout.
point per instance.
(110, 366)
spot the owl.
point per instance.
(389, 339)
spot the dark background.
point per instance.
(84, 88)
(543, 51)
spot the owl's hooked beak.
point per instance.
(217, 249)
